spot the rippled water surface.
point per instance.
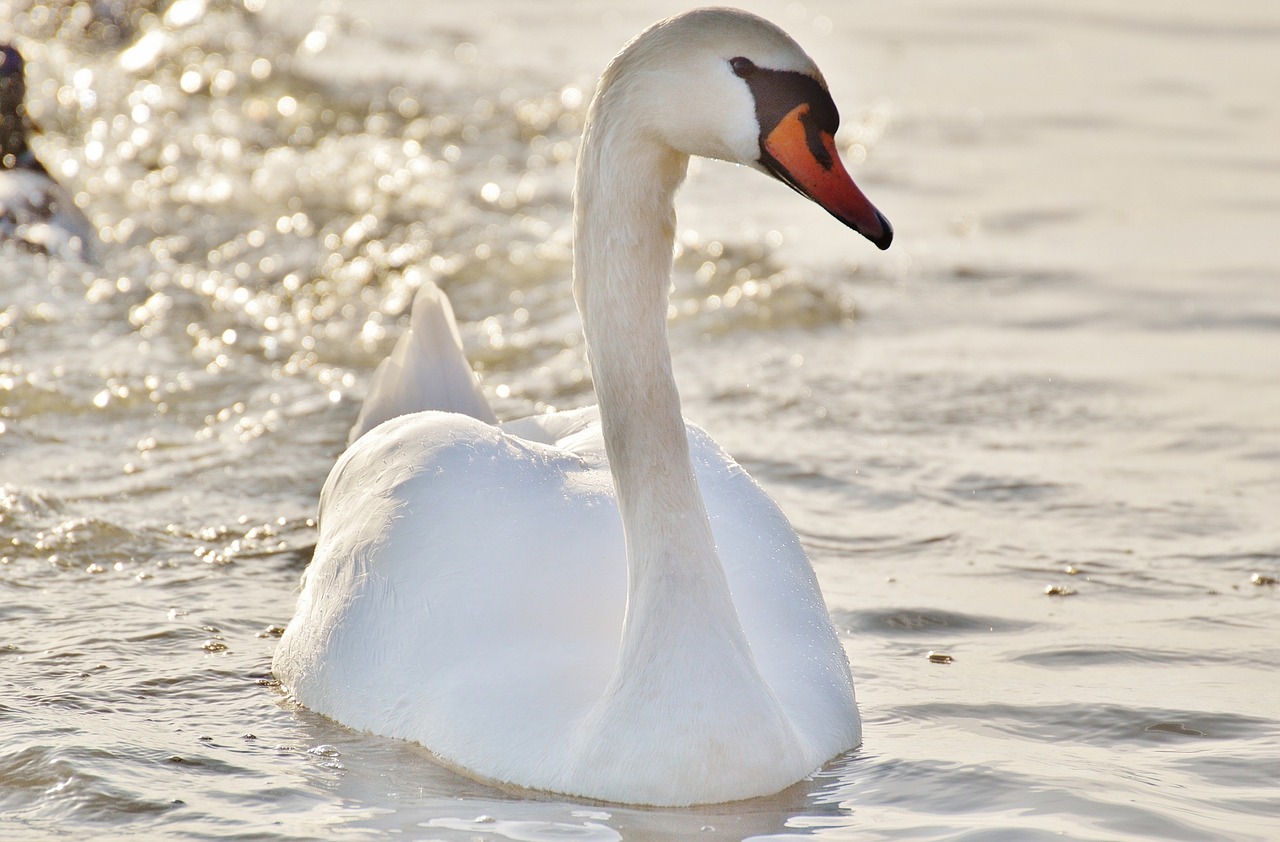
(1040, 435)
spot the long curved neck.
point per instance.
(678, 604)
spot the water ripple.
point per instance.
(1104, 725)
(906, 622)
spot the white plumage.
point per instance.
(598, 602)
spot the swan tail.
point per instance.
(426, 370)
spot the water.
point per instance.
(1063, 376)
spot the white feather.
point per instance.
(599, 602)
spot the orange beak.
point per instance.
(803, 156)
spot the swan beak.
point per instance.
(804, 157)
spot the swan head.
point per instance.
(726, 84)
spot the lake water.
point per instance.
(1040, 435)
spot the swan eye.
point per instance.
(742, 66)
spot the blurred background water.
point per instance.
(1040, 435)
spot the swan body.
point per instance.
(598, 602)
(35, 211)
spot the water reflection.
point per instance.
(419, 792)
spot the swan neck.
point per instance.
(678, 597)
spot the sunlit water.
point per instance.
(1041, 435)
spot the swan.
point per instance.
(35, 212)
(598, 602)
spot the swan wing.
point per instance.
(426, 370)
(779, 602)
(466, 592)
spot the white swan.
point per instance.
(35, 211)
(470, 589)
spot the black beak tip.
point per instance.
(886, 233)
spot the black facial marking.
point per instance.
(778, 92)
(813, 139)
